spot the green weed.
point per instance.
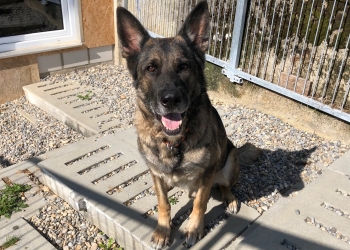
(173, 200)
(109, 245)
(10, 241)
(11, 199)
(86, 97)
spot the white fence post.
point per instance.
(237, 38)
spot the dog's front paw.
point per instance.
(152, 190)
(161, 238)
(231, 202)
(194, 231)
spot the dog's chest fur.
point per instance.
(181, 165)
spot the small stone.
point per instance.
(308, 220)
(93, 246)
(312, 220)
(340, 213)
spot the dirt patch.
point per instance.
(296, 114)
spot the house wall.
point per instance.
(98, 46)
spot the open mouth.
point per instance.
(171, 123)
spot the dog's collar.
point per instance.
(176, 144)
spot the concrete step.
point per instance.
(60, 100)
(17, 225)
(85, 175)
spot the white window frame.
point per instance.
(70, 36)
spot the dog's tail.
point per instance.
(248, 154)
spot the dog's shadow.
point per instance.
(274, 174)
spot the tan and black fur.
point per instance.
(180, 134)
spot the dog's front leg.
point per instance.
(195, 227)
(161, 236)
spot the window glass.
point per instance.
(19, 17)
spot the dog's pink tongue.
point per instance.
(171, 121)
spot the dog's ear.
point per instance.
(131, 33)
(196, 27)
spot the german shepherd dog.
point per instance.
(180, 134)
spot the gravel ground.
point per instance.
(20, 139)
(289, 155)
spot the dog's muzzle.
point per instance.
(172, 106)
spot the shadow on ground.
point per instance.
(261, 184)
(4, 162)
(275, 172)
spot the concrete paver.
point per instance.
(107, 210)
(17, 225)
(283, 223)
(60, 100)
(342, 165)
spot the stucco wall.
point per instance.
(14, 74)
(98, 24)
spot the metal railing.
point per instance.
(298, 48)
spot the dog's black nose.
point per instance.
(171, 99)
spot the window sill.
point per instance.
(39, 49)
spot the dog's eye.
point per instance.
(151, 69)
(183, 66)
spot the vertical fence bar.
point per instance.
(277, 41)
(211, 26)
(346, 95)
(269, 41)
(160, 17)
(181, 14)
(253, 42)
(285, 45)
(237, 34)
(330, 67)
(223, 29)
(294, 45)
(313, 51)
(324, 51)
(217, 27)
(346, 53)
(244, 52)
(303, 49)
(125, 4)
(229, 37)
(261, 39)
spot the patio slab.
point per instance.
(309, 220)
(90, 175)
(60, 99)
(18, 225)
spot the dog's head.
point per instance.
(167, 72)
